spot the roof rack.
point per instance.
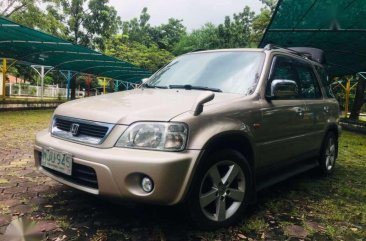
(273, 46)
(305, 52)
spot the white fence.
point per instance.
(33, 90)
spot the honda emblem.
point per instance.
(74, 129)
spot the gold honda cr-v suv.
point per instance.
(208, 130)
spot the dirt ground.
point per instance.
(306, 207)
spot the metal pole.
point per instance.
(42, 81)
(4, 70)
(348, 86)
(116, 85)
(104, 85)
(68, 78)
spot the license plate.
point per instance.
(58, 161)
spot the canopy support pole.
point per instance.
(116, 85)
(127, 85)
(347, 90)
(104, 83)
(362, 74)
(4, 69)
(41, 72)
(68, 76)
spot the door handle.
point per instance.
(300, 112)
(326, 108)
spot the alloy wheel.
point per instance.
(222, 190)
(330, 154)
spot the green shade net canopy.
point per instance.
(336, 26)
(34, 47)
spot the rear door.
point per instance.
(315, 113)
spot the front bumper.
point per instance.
(119, 170)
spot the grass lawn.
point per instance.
(318, 208)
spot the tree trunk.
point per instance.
(73, 88)
(359, 99)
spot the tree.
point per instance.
(138, 30)
(204, 38)
(147, 57)
(270, 5)
(259, 25)
(166, 36)
(235, 32)
(261, 21)
(33, 17)
(89, 26)
(9, 7)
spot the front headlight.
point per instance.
(155, 136)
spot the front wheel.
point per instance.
(220, 192)
(328, 154)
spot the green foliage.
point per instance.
(259, 25)
(164, 36)
(148, 57)
(10, 7)
(235, 32)
(86, 22)
(204, 38)
(241, 30)
(48, 80)
(270, 4)
(137, 30)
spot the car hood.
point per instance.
(127, 107)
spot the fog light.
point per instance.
(147, 184)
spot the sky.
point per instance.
(195, 13)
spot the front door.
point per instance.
(280, 137)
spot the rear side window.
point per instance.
(309, 87)
(325, 81)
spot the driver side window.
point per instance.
(282, 69)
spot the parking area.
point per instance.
(306, 207)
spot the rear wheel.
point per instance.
(329, 154)
(220, 192)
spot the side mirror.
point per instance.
(281, 89)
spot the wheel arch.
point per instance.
(236, 140)
(332, 128)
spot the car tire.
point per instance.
(328, 154)
(221, 190)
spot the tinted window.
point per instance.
(325, 81)
(282, 69)
(308, 84)
(232, 72)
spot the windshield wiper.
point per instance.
(154, 86)
(193, 87)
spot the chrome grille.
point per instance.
(86, 131)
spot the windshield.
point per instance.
(230, 72)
